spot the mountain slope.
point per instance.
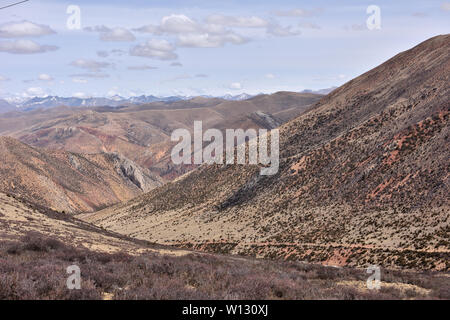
(67, 181)
(47, 102)
(142, 133)
(364, 178)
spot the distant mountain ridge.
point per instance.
(7, 105)
(320, 91)
(114, 101)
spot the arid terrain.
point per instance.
(363, 179)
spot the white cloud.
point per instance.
(157, 49)
(176, 64)
(215, 29)
(45, 77)
(113, 92)
(270, 76)
(90, 65)
(240, 22)
(445, 6)
(101, 28)
(3, 78)
(150, 28)
(103, 54)
(190, 33)
(96, 75)
(141, 67)
(35, 92)
(236, 86)
(118, 52)
(117, 34)
(179, 24)
(25, 47)
(280, 31)
(355, 27)
(207, 40)
(24, 29)
(173, 24)
(309, 25)
(81, 95)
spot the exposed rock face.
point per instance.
(139, 176)
(266, 121)
(363, 179)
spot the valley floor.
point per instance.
(34, 267)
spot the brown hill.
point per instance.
(142, 133)
(363, 179)
(67, 181)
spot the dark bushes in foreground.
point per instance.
(35, 268)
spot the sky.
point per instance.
(209, 47)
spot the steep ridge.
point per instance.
(70, 182)
(364, 179)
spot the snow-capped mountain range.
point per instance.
(19, 104)
(114, 101)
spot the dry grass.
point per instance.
(35, 268)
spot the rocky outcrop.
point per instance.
(139, 176)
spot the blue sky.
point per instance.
(194, 47)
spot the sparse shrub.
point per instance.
(34, 268)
